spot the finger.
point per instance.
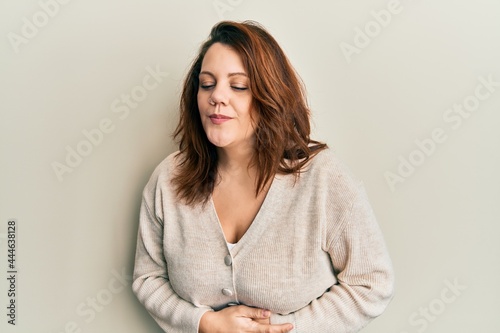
(265, 321)
(281, 328)
(255, 313)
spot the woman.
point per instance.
(252, 226)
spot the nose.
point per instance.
(220, 95)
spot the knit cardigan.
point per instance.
(314, 255)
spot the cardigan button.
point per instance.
(228, 260)
(227, 292)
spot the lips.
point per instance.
(218, 119)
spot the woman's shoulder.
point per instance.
(327, 161)
(167, 166)
(162, 173)
(328, 170)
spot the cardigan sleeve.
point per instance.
(364, 273)
(151, 283)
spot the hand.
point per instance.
(240, 319)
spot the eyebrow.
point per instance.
(229, 75)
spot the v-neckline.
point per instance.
(256, 226)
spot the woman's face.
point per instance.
(225, 100)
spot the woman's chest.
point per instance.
(273, 260)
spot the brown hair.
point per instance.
(282, 133)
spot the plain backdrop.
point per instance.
(406, 92)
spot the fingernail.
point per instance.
(266, 313)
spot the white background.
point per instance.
(77, 233)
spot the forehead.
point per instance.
(222, 59)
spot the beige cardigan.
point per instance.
(314, 254)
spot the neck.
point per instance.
(234, 161)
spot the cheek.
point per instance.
(244, 107)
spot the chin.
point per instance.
(220, 144)
(219, 141)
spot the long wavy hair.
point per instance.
(282, 133)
